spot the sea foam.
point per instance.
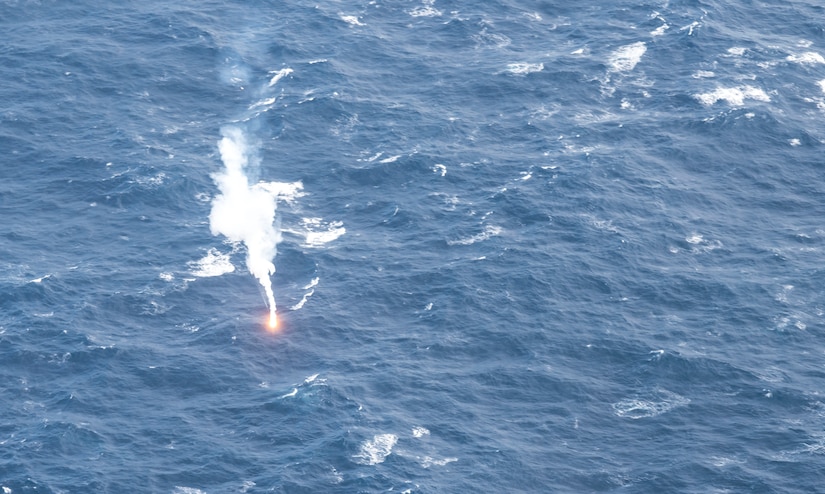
(652, 404)
(627, 57)
(735, 96)
(376, 451)
(214, 263)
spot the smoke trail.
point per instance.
(245, 213)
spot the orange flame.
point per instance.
(273, 323)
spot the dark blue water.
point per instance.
(524, 246)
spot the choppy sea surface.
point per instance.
(512, 246)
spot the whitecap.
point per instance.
(690, 27)
(420, 432)
(660, 30)
(429, 461)
(427, 10)
(626, 57)
(770, 374)
(439, 168)
(312, 284)
(783, 322)
(489, 231)
(807, 58)
(154, 180)
(524, 68)
(376, 451)
(311, 379)
(814, 446)
(723, 461)
(372, 158)
(282, 191)
(263, 102)
(311, 287)
(203, 197)
(280, 74)
(192, 328)
(300, 305)
(485, 38)
(390, 159)
(656, 403)
(352, 20)
(214, 263)
(187, 490)
(735, 96)
(290, 394)
(782, 296)
(701, 244)
(318, 233)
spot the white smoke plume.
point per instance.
(245, 213)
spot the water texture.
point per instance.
(512, 246)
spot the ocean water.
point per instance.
(511, 246)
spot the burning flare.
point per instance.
(245, 213)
